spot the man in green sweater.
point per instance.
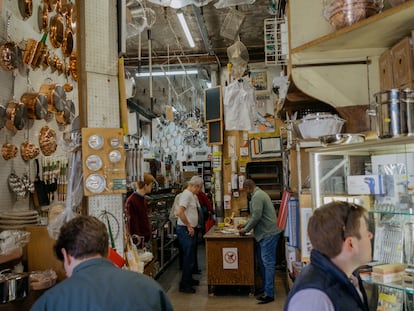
(263, 221)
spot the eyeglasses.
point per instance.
(351, 207)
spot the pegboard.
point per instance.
(103, 101)
(12, 86)
(101, 21)
(113, 204)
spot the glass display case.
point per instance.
(378, 175)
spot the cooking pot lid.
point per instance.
(59, 98)
(20, 116)
(41, 106)
(67, 46)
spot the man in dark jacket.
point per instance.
(94, 282)
(341, 243)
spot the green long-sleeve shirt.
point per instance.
(263, 216)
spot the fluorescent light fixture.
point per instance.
(168, 73)
(187, 32)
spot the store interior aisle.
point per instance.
(236, 298)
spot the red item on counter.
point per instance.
(117, 259)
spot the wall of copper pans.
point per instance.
(38, 73)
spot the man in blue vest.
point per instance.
(341, 242)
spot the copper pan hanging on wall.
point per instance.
(42, 18)
(10, 56)
(36, 104)
(56, 96)
(56, 30)
(26, 8)
(16, 113)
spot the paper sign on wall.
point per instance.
(230, 258)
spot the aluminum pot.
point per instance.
(391, 114)
(18, 285)
(407, 99)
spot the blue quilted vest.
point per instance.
(322, 274)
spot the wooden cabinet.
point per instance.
(40, 254)
(230, 259)
(268, 176)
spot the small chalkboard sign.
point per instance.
(213, 104)
(215, 133)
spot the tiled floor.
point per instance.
(234, 298)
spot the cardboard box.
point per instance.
(389, 268)
(387, 278)
(365, 184)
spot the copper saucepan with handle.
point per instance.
(16, 113)
(56, 96)
(56, 30)
(36, 104)
(26, 8)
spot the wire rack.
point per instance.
(276, 41)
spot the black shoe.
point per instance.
(265, 299)
(261, 297)
(187, 290)
(195, 282)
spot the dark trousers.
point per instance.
(187, 244)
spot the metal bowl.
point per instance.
(342, 139)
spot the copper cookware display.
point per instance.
(29, 151)
(50, 4)
(16, 113)
(36, 104)
(66, 116)
(56, 30)
(26, 8)
(56, 96)
(10, 56)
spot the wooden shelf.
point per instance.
(369, 37)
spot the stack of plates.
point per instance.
(10, 220)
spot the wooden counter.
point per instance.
(230, 259)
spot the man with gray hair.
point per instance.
(187, 212)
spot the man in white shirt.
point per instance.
(187, 212)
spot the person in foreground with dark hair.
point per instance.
(341, 242)
(94, 282)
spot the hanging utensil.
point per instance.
(41, 197)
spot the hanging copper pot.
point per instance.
(50, 5)
(29, 51)
(36, 105)
(73, 65)
(42, 18)
(16, 113)
(56, 30)
(56, 96)
(10, 56)
(26, 8)
(67, 45)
